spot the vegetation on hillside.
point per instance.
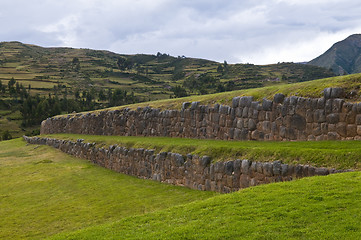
(32, 109)
(350, 83)
(84, 79)
(44, 192)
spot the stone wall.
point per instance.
(190, 171)
(293, 118)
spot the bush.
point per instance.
(6, 135)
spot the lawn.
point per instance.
(44, 192)
(326, 207)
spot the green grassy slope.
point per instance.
(337, 154)
(350, 83)
(44, 191)
(326, 207)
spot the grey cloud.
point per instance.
(236, 31)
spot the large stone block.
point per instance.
(333, 118)
(245, 101)
(268, 169)
(358, 119)
(235, 102)
(252, 125)
(319, 116)
(244, 134)
(333, 93)
(277, 168)
(342, 129)
(245, 166)
(351, 130)
(278, 98)
(333, 136)
(229, 167)
(267, 105)
(298, 122)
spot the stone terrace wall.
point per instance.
(293, 118)
(190, 171)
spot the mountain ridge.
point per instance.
(343, 57)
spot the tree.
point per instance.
(75, 64)
(101, 95)
(17, 87)
(179, 92)
(225, 66)
(124, 63)
(11, 88)
(2, 87)
(6, 135)
(77, 94)
(220, 68)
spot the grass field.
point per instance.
(47, 194)
(337, 154)
(327, 207)
(44, 192)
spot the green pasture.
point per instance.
(44, 192)
(326, 207)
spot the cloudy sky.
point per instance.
(239, 31)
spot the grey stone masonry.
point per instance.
(280, 119)
(191, 171)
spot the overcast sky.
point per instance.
(239, 31)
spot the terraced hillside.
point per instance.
(68, 80)
(54, 70)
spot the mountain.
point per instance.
(343, 57)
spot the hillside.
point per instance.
(343, 57)
(67, 80)
(54, 70)
(314, 89)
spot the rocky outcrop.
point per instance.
(284, 118)
(191, 171)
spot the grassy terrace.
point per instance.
(303, 89)
(337, 154)
(47, 194)
(311, 208)
(44, 192)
